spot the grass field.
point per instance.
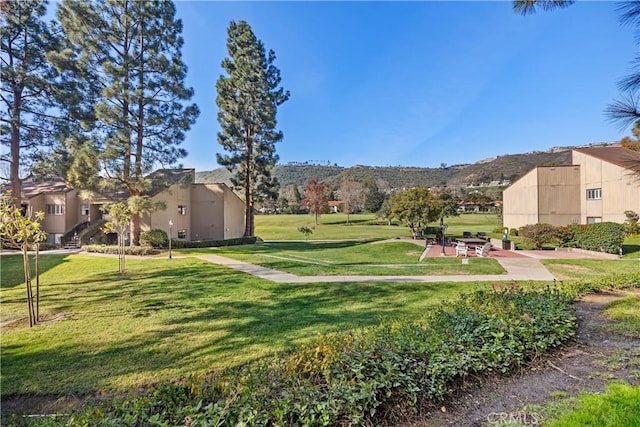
(361, 226)
(167, 319)
(625, 316)
(618, 406)
(353, 258)
(582, 269)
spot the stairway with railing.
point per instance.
(82, 234)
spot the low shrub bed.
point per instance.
(113, 249)
(370, 376)
(184, 244)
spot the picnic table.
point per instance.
(471, 241)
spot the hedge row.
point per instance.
(113, 249)
(181, 244)
(602, 237)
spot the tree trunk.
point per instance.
(27, 281)
(135, 216)
(248, 184)
(135, 229)
(37, 282)
(14, 172)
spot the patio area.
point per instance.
(436, 251)
(497, 252)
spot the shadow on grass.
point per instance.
(631, 250)
(307, 246)
(12, 270)
(241, 318)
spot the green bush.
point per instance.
(113, 249)
(632, 223)
(602, 237)
(182, 244)
(370, 376)
(155, 238)
(46, 246)
(540, 234)
(514, 232)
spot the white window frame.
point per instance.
(594, 219)
(182, 233)
(594, 193)
(182, 209)
(55, 209)
(84, 208)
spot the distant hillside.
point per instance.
(507, 167)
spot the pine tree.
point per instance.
(128, 54)
(248, 98)
(27, 90)
(373, 198)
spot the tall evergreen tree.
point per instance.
(27, 91)
(373, 197)
(248, 98)
(128, 53)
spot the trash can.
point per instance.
(506, 245)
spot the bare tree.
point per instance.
(352, 194)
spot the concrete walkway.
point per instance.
(517, 269)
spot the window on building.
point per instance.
(182, 234)
(182, 210)
(55, 209)
(594, 193)
(593, 219)
(85, 210)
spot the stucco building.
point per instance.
(196, 211)
(599, 185)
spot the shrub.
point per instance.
(306, 231)
(155, 238)
(514, 232)
(113, 249)
(45, 246)
(602, 237)
(183, 244)
(540, 234)
(498, 230)
(632, 224)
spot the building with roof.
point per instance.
(196, 211)
(600, 185)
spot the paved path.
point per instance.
(517, 269)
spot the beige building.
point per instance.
(598, 186)
(196, 211)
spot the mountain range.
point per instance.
(508, 167)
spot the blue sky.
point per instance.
(417, 83)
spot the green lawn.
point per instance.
(166, 319)
(618, 406)
(353, 258)
(361, 226)
(631, 247)
(578, 269)
(625, 316)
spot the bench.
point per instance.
(484, 250)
